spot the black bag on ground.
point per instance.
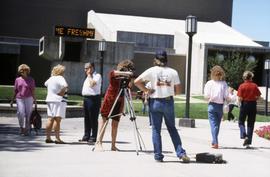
(35, 119)
(207, 157)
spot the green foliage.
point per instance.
(6, 93)
(197, 111)
(234, 66)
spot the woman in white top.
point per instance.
(56, 102)
(216, 92)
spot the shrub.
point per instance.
(234, 66)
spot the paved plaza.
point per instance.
(32, 157)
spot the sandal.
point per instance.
(49, 141)
(59, 142)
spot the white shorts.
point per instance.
(56, 109)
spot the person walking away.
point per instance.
(248, 94)
(232, 103)
(216, 93)
(91, 102)
(56, 102)
(24, 93)
(165, 83)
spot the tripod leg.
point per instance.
(98, 144)
(137, 136)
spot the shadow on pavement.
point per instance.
(238, 148)
(11, 140)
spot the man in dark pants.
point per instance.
(248, 94)
(91, 103)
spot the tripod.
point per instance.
(125, 91)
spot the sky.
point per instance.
(252, 18)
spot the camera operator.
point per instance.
(165, 83)
(119, 78)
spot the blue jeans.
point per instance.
(159, 108)
(215, 113)
(91, 106)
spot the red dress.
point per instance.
(110, 96)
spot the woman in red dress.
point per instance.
(124, 69)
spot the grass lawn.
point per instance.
(6, 93)
(197, 111)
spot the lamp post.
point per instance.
(191, 29)
(267, 68)
(101, 49)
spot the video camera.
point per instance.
(124, 79)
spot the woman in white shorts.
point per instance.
(56, 103)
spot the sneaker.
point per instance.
(215, 146)
(159, 160)
(185, 159)
(246, 142)
(84, 139)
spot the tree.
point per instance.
(234, 66)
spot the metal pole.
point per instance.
(101, 69)
(188, 77)
(266, 93)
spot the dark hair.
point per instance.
(161, 56)
(87, 65)
(92, 64)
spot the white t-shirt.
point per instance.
(162, 79)
(95, 90)
(216, 91)
(54, 85)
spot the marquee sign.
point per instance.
(74, 32)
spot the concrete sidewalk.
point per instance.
(31, 157)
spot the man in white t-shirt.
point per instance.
(165, 83)
(91, 103)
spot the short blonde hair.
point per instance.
(24, 67)
(248, 75)
(217, 73)
(58, 70)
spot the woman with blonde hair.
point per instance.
(216, 92)
(56, 102)
(248, 94)
(24, 92)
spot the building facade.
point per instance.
(23, 23)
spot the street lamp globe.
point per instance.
(267, 64)
(102, 46)
(191, 25)
(251, 58)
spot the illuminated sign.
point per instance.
(74, 32)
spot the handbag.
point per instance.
(35, 119)
(207, 157)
